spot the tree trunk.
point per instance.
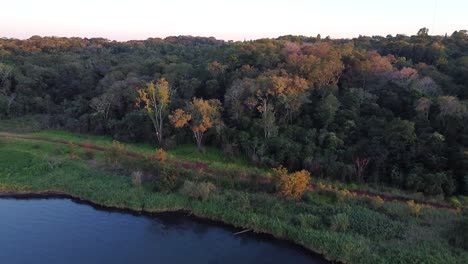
(198, 138)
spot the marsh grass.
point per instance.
(350, 231)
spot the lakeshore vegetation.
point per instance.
(353, 148)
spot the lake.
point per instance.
(65, 231)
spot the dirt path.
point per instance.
(194, 165)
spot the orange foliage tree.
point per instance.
(200, 115)
(291, 185)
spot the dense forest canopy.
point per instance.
(389, 110)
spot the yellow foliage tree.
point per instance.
(291, 185)
(155, 99)
(200, 115)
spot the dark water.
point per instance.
(63, 231)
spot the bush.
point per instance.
(373, 202)
(376, 202)
(396, 210)
(373, 224)
(465, 184)
(455, 202)
(88, 155)
(459, 234)
(168, 181)
(239, 200)
(36, 146)
(291, 185)
(319, 197)
(72, 151)
(414, 208)
(339, 222)
(201, 191)
(115, 153)
(160, 155)
(343, 196)
(307, 221)
(137, 178)
(464, 200)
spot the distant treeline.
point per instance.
(385, 110)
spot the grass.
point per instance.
(213, 157)
(367, 234)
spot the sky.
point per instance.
(229, 20)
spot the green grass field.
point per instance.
(352, 230)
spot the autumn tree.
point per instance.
(200, 115)
(319, 63)
(155, 99)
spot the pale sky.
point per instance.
(228, 20)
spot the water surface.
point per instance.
(64, 231)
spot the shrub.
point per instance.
(59, 150)
(72, 151)
(160, 155)
(414, 208)
(168, 181)
(339, 222)
(88, 155)
(291, 185)
(52, 162)
(308, 221)
(396, 210)
(201, 191)
(240, 200)
(36, 146)
(455, 202)
(343, 196)
(115, 153)
(373, 224)
(137, 178)
(375, 202)
(465, 182)
(319, 197)
(464, 200)
(459, 234)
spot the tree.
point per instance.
(279, 93)
(200, 115)
(326, 109)
(236, 95)
(102, 105)
(7, 86)
(423, 106)
(423, 32)
(360, 165)
(155, 99)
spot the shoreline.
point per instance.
(53, 194)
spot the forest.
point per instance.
(378, 110)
